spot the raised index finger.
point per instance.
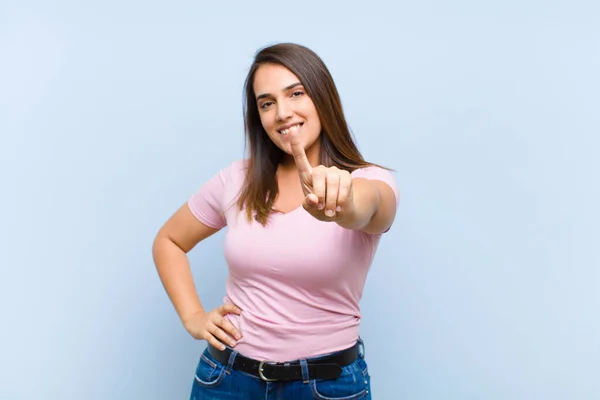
(298, 151)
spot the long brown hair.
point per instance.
(337, 145)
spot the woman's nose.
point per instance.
(284, 111)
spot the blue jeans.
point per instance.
(216, 381)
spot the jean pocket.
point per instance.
(209, 372)
(352, 384)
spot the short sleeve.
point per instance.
(207, 203)
(380, 174)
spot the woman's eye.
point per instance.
(266, 104)
(297, 93)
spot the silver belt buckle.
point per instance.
(262, 376)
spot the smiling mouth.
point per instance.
(287, 130)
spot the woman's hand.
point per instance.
(214, 327)
(329, 195)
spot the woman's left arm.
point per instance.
(373, 209)
(334, 195)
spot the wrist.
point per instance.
(186, 318)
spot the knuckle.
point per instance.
(333, 178)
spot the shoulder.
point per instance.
(218, 191)
(375, 172)
(371, 170)
(234, 171)
(225, 177)
(237, 166)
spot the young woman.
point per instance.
(304, 216)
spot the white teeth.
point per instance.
(286, 131)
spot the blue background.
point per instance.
(113, 113)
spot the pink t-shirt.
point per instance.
(298, 280)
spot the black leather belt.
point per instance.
(327, 367)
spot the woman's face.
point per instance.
(283, 103)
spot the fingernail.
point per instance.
(321, 206)
(238, 336)
(330, 213)
(338, 208)
(232, 343)
(223, 347)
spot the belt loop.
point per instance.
(304, 365)
(361, 348)
(232, 356)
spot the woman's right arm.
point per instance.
(174, 240)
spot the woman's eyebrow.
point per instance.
(263, 95)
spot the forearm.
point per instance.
(175, 273)
(365, 200)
